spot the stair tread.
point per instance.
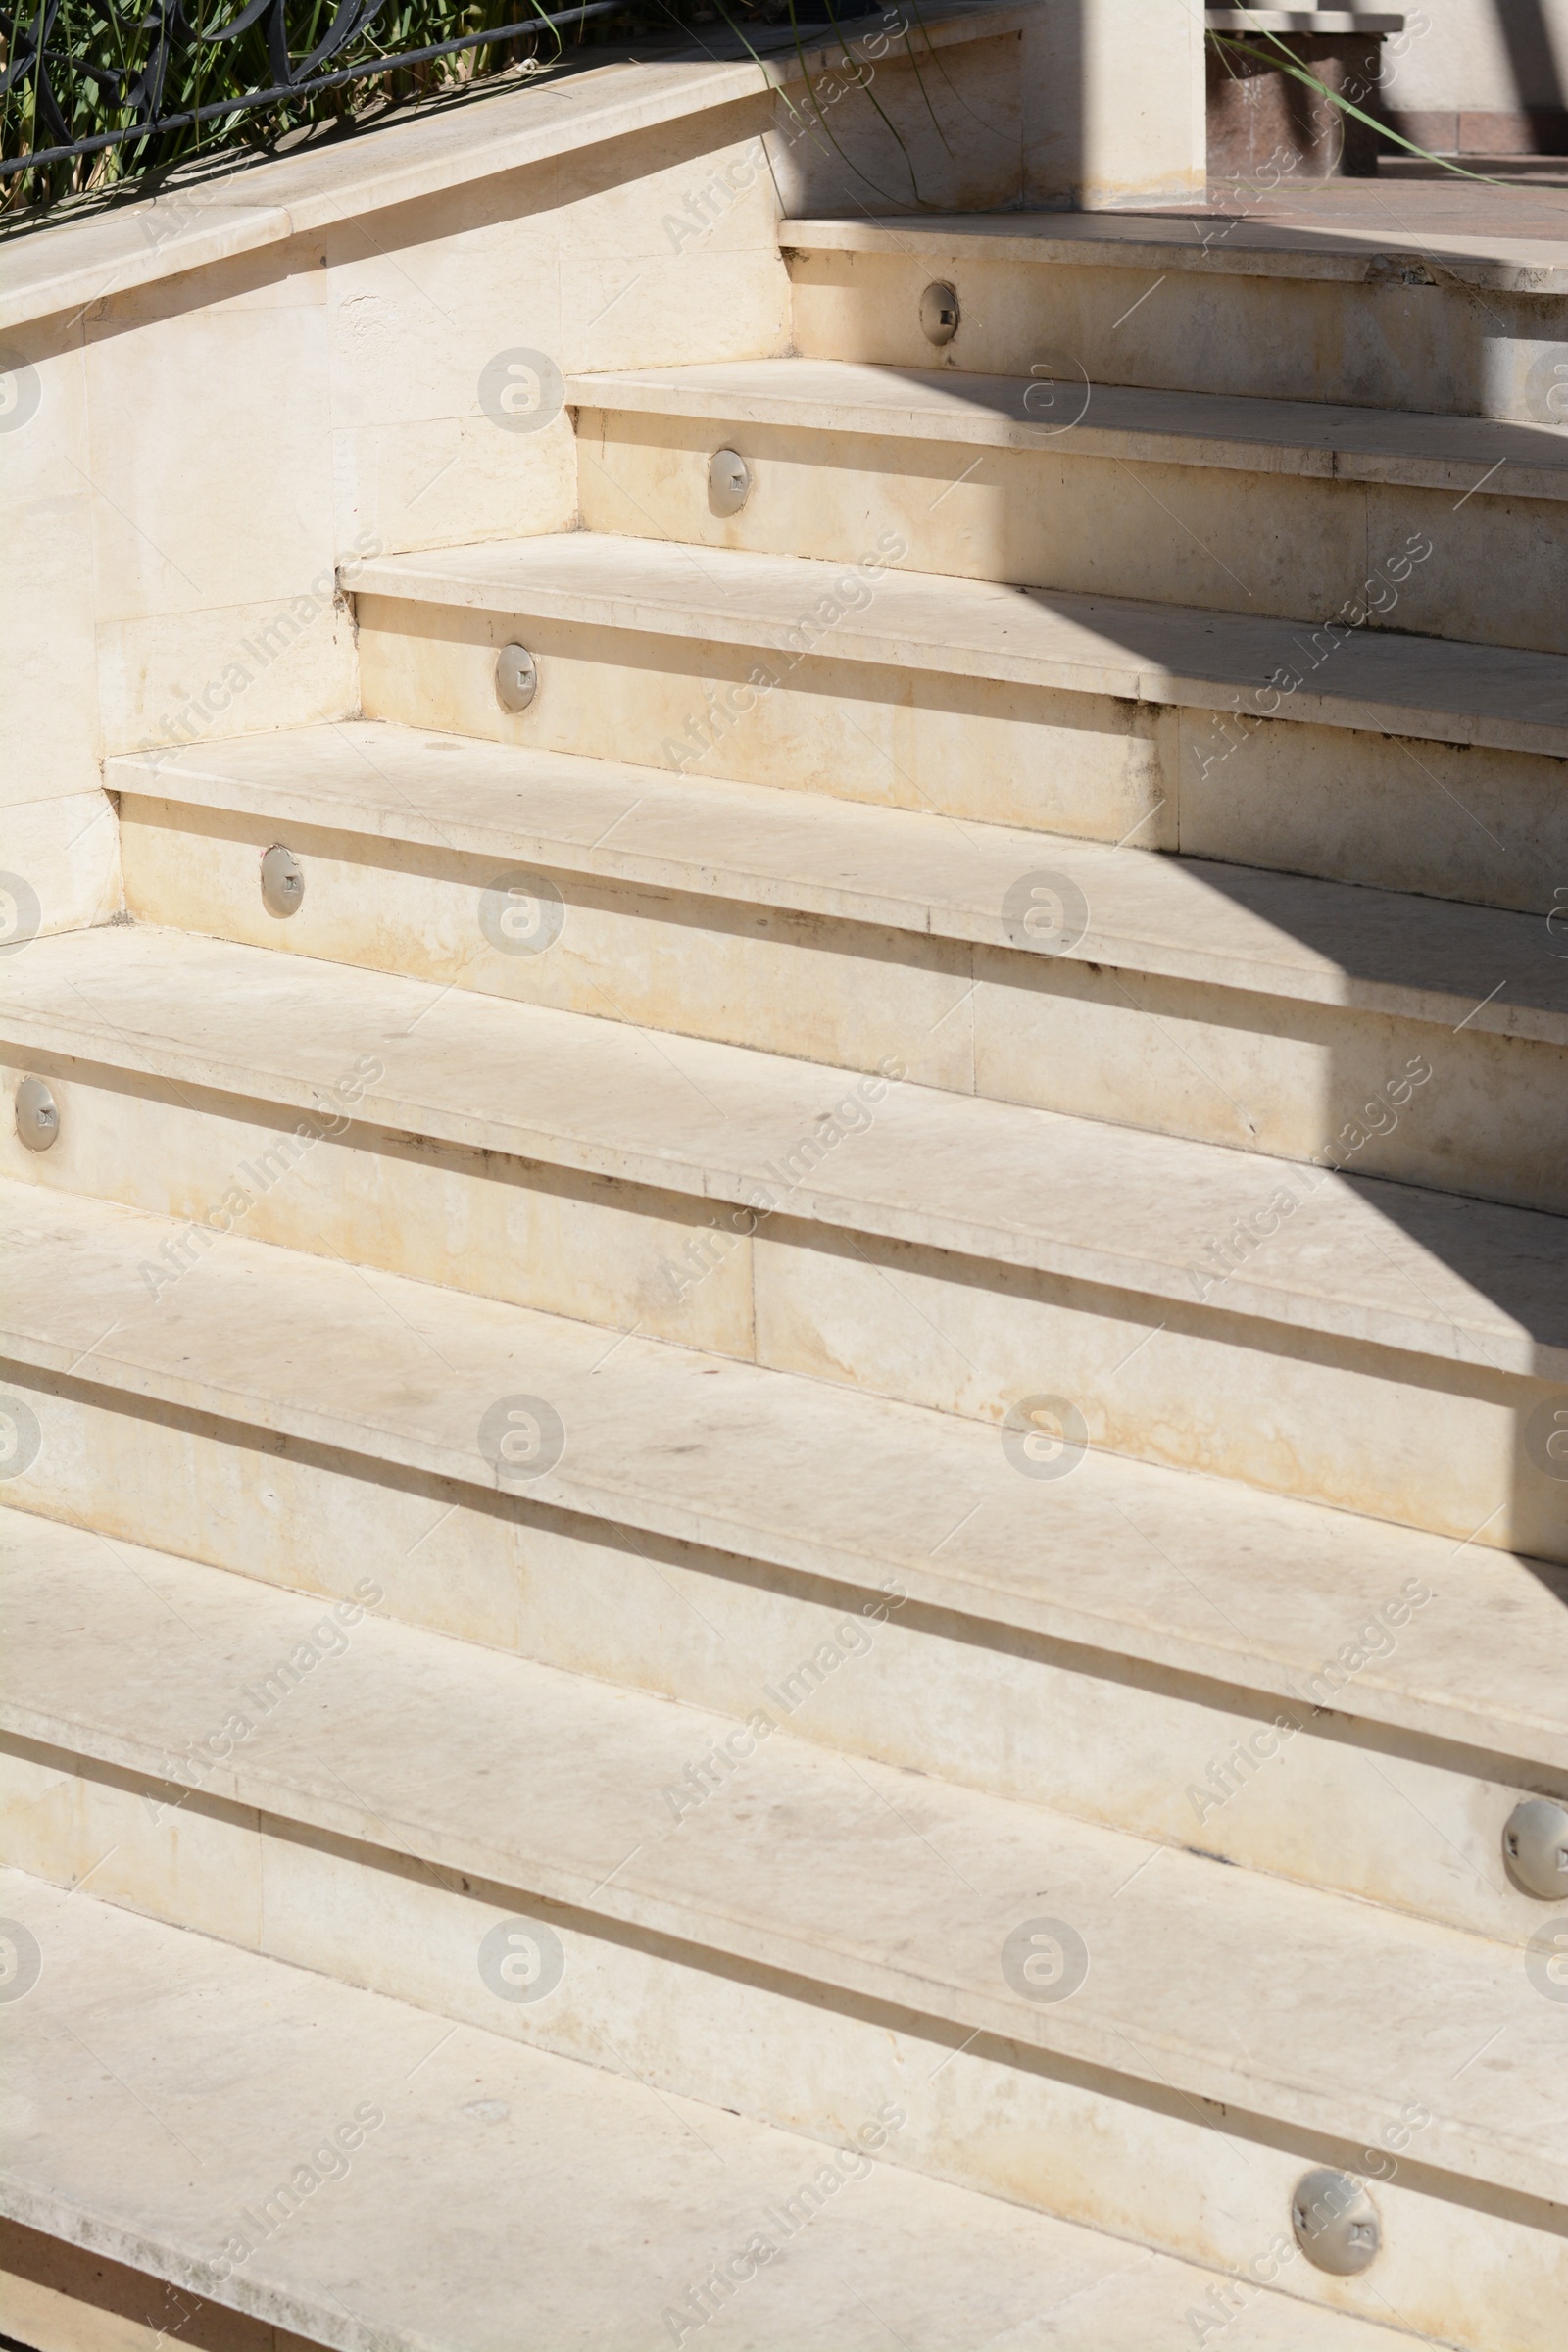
(877, 1883)
(1498, 696)
(164, 2086)
(1466, 454)
(812, 1864)
(1126, 1558)
(1464, 1281)
(1330, 943)
(1197, 241)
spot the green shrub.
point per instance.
(103, 56)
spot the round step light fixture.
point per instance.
(729, 481)
(938, 313)
(1336, 2222)
(517, 677)
(282, 881)
(37, 1115)
(1535, 1848)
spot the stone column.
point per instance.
(1113, 104)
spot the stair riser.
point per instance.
(575, 1244)
(1269, 1074)
(846, 994)
(1057, 2136)
(1297, 1081)
(1218, 538)
(1324, 1419)
(1320, 1417)
(1091, 764)
(1403, 1820)
(1352, 805)
(1443, 349)
(59, 2297)
(1448, 820)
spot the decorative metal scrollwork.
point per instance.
(59, 73)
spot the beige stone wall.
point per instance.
(1481, 76)
(358, 355)
(1481, 55)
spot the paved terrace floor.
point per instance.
(1414, 209)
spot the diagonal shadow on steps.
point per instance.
(1512, 1257)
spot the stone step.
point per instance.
(1361, 754)
(1178, 1637)
(348, 2169)
(785, 1944)
(1120, 1642)
(1187, 1304)
(1469, 324)
(1317, 1644)
(1439, 527)
(1216, 1001)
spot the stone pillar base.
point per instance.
(1260, 115)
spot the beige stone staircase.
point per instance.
(791, 1427)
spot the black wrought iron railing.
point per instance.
(93, 91)
(99, 96)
